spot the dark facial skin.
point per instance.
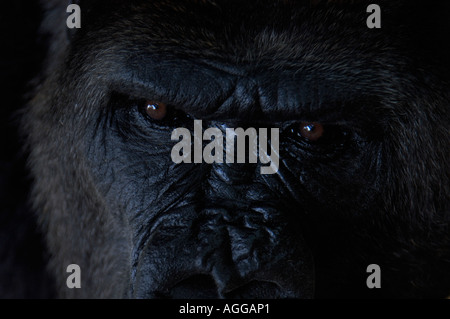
(369, 187)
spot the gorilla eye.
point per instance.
(311, 131)
(314, 136)
(155, 110)
(161, 115)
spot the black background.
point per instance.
(22, 52)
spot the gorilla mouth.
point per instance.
(216, 256)
(196, 286)
(204, 287)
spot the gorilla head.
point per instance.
(363, 175)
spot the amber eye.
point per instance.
(311, 131)
(155, 110)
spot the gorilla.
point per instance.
(363, 177)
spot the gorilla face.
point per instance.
(363, 174)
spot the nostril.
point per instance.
(195, 287)
(256, 290)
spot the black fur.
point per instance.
(110, 199)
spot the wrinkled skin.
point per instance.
(374, 190)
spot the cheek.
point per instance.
(134, 171)
(333, 183)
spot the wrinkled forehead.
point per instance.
(289, 52)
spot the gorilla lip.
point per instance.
(213, 152)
